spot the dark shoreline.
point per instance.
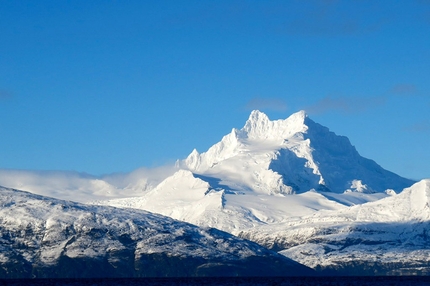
(290, 281)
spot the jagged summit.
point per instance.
(259, 126)
(291, 155)
(259, 132)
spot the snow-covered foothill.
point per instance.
(391, 234)
(44, 237)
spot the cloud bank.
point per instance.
(404, 89)
(82, 187)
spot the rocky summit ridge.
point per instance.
(301, 154)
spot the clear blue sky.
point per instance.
(110, 86)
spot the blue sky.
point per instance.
(111, 86)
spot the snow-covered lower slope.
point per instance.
(45, 237)
(188, 197)
(388, 236)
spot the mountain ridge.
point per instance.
(385, 237)
(293, 186)
(49, 238)
(319, 157)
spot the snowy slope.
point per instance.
(388, 236)
(187, 197)
(45, 237)
(247, 179)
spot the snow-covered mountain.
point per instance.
(45, 237)
(290, 185)
(295, 187)
(290, 156)
(388, 236)
(248, 178)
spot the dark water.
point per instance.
(290, 281)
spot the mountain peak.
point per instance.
(295, 153)
(259, 126)
(299, 115)
(257, 115)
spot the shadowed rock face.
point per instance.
(48, 238)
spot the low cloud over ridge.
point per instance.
(82, 187)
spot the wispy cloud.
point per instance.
(275, 104)
(345, 104)
(423, 126)
(83, 187)
(148, 177)
(425, 9)
(332, 17)
(5, 94)
(404, 89)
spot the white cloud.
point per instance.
(82, 187)
(140, 177)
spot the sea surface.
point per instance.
(287, 281)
